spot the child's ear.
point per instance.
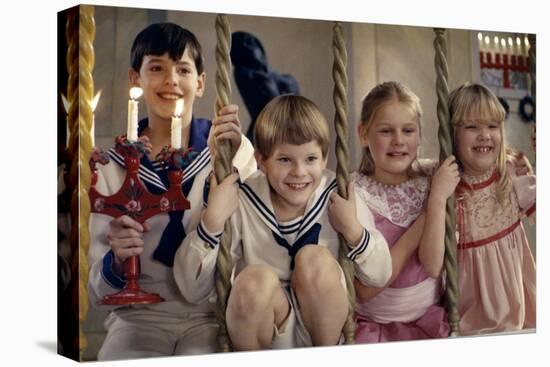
(362, 135)
(259, 161)
(201, 84)
(133, 77)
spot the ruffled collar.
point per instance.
(400, 204)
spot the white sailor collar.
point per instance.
(256, 191)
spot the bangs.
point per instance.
(475, 104)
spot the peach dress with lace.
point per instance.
(496, 267)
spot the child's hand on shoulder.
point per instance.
(226, 126)
(223, 200)
(342, 215)
(445, 179)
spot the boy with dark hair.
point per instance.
(166, 62)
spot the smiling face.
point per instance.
(478, 145)
(293, 173)
(393, 138)
(164, 80)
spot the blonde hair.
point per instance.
(290, 119)
(476, 101)
(373, 102)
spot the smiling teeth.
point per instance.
(483, 149)
(170, 96)
(297, 186)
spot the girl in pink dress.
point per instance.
(496, 267)
(408, 204)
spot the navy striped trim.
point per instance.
(212, 240)
(265, 212)
(291, 228)
(107, 273)
(361, 247)
(143, 172)
(198, 164)
(317, 209)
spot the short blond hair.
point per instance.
(290, 119)
(472, 100)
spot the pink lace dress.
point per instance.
(409, 308)
(496, 267)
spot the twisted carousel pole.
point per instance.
(222, 168)
(446, 149)
(80, 34)
(342, 167)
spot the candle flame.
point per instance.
(135, 92)
(526, 41)
(487, 40)
(95, 100)
(518, 41)
(510, 42)
(179, 107)
(503, 42)
(66, 103)
(479, 36)
(496, 40)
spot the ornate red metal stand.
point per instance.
(139, 204)
(509, 63)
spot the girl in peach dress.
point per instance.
(496, 267)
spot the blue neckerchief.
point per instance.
(174, 233)
(311, 237)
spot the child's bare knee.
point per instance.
(252, 291)
(316, 269)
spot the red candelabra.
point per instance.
(139, 204)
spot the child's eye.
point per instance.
(409, 130)
(385, 131)
(493, 126)
(184, 71)
(155, 68)
(283, 159)
(312, 159)
(470, 126)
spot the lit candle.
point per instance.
(503, 44)
(66, 108)
(94, 105)
(480, 41)
(132, 131)
(527, 46)
(487, 47)
(175, 135)
(511, 45)
(518, 46)
(497, 44)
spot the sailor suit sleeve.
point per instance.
(371, 257)
(195, 260)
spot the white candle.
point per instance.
(132, 131)
(518, 46)
(503, 44)
(527, 46)
(175, 133)
(511, 45)
(94, 105)
(480, 41)
(487, 42)
(497, 45)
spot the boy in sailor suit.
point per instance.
(167, 64)
(288, 289)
